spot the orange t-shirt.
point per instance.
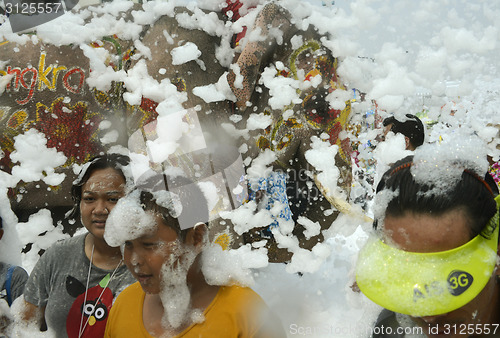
(234, 312)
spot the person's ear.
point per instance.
(196, 236)
(1, 233)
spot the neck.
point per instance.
(103, 256)
(202, 294)
(152, 314)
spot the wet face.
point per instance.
(146, 256)
(383, 133)
(386, 131)
(382, 137)
(100, 194)
(426, 233)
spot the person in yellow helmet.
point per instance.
(433, 262)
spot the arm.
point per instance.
(32, 310)
(32, 313)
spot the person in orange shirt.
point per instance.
(172, 297)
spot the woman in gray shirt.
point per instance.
(72, 286)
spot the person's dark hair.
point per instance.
(473, 194)
(115, 161)
(193, 201)
(413, 128)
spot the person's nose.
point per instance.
(101, 208)
(136, 258)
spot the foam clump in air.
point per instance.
(246, 218)
(183, 54)
(308, 260)
(128, 221)
(36, 160)
(225, 267)
(40, 231)
(441, 164)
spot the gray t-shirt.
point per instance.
(58, 283)
(17, 282)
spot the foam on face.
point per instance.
(175, 294)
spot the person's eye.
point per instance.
(88, 199)
(150, 245)
(113, 199)
(128, 244)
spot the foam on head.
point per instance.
(441, 164)
(128, 221)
